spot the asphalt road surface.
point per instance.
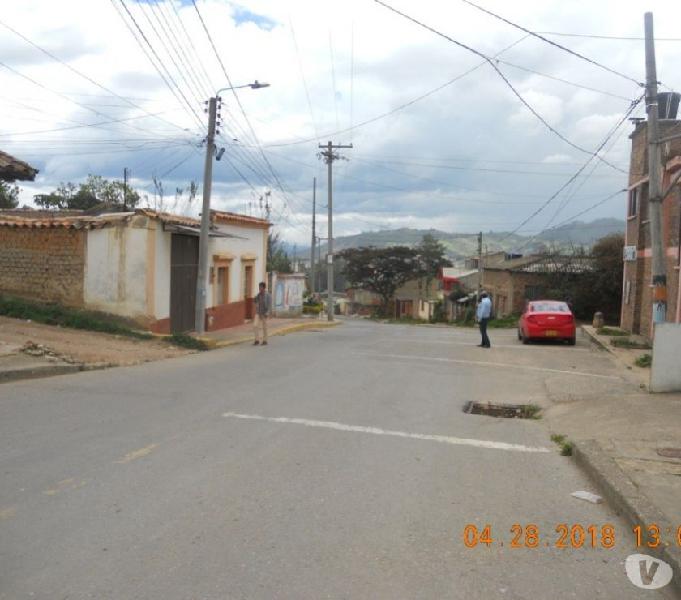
(329, 464)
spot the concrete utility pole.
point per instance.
(479, 264)
(655, 198)
(329, 156)
(314, 217)
(202, 275)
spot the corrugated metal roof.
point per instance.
(13, 169)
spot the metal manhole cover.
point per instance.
(504, 411)
(670, 452)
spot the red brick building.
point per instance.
(637, 296)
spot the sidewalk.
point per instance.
(629, 442)
(275, 326)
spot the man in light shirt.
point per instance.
(263, 308)
(482, 315)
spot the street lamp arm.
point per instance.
(256, 85)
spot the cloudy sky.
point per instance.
(440, 139)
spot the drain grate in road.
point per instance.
(504, 411)
(670, 452)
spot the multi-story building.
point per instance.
(637, 296)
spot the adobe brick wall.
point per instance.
(509, 285)
(43, 264)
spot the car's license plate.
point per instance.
(551, 333)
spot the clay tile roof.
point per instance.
(13, 169)
(237, 219)
(42, 219)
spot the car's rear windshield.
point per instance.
(549, 307)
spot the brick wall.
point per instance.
(43, 264)
(637, 312)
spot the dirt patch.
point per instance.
(85, 346)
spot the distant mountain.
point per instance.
(460, 245)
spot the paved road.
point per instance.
(333, 464)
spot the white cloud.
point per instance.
(472, 141)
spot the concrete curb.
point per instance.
(626, 498)
(38, 372)
(596, 341)
(214, 344)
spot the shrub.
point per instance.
(312, 309)
(55, 314)
(644, 361)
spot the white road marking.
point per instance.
(482, 363)
(443, 439)
(472, 343)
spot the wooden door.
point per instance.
(184, 268)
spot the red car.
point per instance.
(547, 319)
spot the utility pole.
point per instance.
(319, 262)
(479, 264)
(125, 189)
(202, 275)
(314, 217)
(659, 270)
(329, 156)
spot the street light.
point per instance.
(202, 275)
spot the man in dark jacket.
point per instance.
(263, 307)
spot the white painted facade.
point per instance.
(128, 265)
(116, 271)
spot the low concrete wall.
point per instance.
(665, 374)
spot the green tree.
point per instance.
(9, 195)
(603, 289)
(277, 258)
(381, 270)
(94, 191)
(431, 254)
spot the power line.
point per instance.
(572, 83)
(579, 171)
(180, 50)
(238, 101)
(80, 126)
(83, 75)
(174, 88)
(607, 37)
(202, 68)
(552, 43)
(302, 76)
(503, 77)
(65, 97)
(160, 38)
(401, 106)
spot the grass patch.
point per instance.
(611, 331)
(565, 445)
(625, 342)
(509, 322)
(644, 361)
(187, 341)
(55, 314)
(532, 411)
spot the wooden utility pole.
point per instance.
(659, 270)
(314, 217)
(329, 156)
